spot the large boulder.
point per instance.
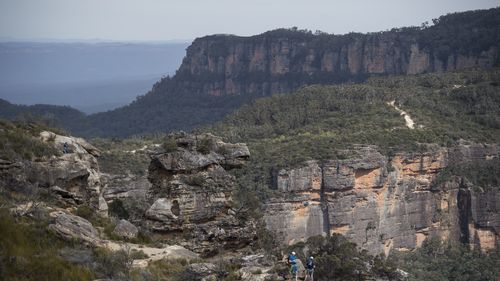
(73, 178)
(201, 272)
(71, 227)
(75, 145)
(125, 229)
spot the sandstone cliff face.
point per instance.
(383, 204)
(191, 193)
(73, 178)
(280, 62)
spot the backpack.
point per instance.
(310, 264)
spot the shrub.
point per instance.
(29, 252)
(117, 209)
(436, 260)
(170, 144)
(204, 146)
(19, 141)
(85, 212)
(163, 270)
(110, 264)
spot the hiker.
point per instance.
(310, 269)
(65, 148)
(292, 261)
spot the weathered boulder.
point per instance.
(257, 268)
(72, 227)
(73, 178)
(201, 272)
(125, 229)
(256, 273)
(165, 252)
(191, 192)
(384, 203)
(75, 145)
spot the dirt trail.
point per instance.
(154, 254)
(409, 122)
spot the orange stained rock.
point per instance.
(316, 183)
(340, 229)
(445, 235)
(312, 195)
(444, 204)
(487, 239)
(366, 178)
(300, 212)
(426, 164)
(420, 238)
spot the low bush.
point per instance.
(29, 252)
(19, 141)
(436, 260)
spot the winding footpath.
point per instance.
(409, 122)
(152, 253)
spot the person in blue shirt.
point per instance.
(292, 261)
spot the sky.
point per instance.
(184, 20)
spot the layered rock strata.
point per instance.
(192, 191)
(384, 203)
(281, 61)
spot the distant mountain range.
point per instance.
(89, 76)
(221, 72)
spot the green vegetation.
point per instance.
(128, 156)
(50, 115)
(441, 262)
(484, 175)
(318, 122)
(20, 141)
(338, 259)
(160, 270)
(117, 209)
(29, 252)
(169, 144)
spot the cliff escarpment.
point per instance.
(344, 159)
(384, 203)
(282, 60)
(221, 72)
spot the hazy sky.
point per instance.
(160, 20)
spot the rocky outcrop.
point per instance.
(124, 186)
(74, 145)
(125, 229)
(192, 192)
(151, 254)
(72, 227)
(73, 177)
(384, 203)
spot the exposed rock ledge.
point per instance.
(73, 177)
(384, 203)
(192, 192)
(71, 227)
